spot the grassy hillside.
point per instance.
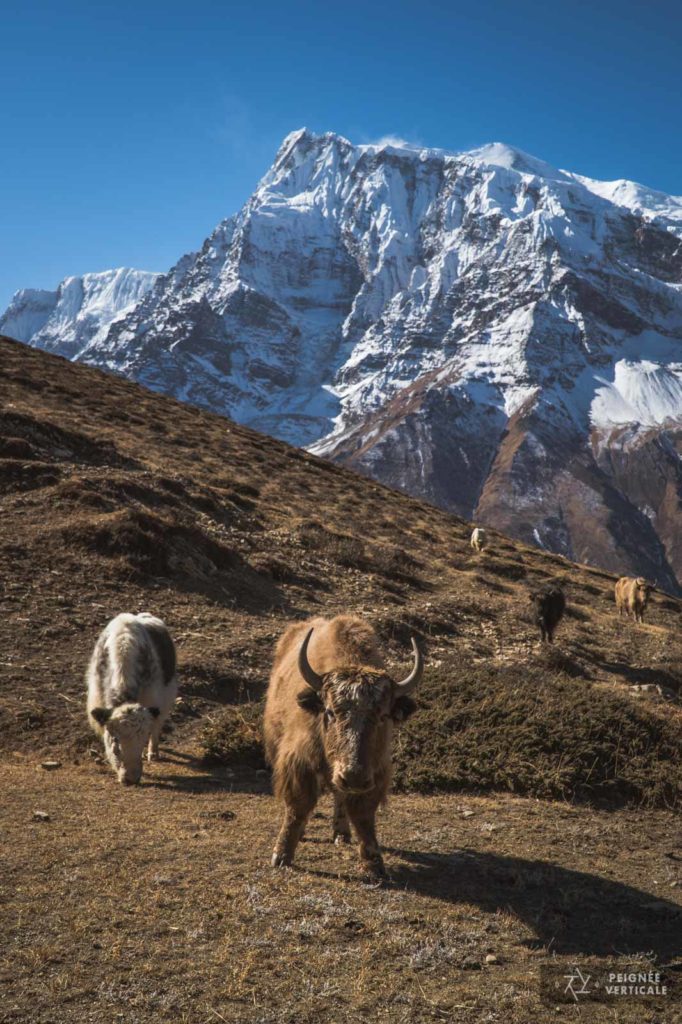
(156, 903)
(113, 498)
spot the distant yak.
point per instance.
(132, 686)
(479, 539)
(550, 605)
(632, 596)
(329, 717)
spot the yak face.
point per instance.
(357, 726)
(127, 729)
(643, 589)
(358, 708)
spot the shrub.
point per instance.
(341, 548)
(532, 732)
(235, 737)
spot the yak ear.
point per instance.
(403, 707)
(101, 715)
(154, 712)
(310, 701)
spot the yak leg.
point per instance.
(153, 748)
(362, 814)
(341, 827)
(299, 800)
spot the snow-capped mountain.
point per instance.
(79, 312)
(499, 336)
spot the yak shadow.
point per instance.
(205, 783)
(201, 779)
(571, 911)
(635, 674)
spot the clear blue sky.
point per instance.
(128, 130)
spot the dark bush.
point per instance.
(235, 738)
(522, 729)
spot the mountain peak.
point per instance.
(501, 154)
(79, 310)
(480, 329)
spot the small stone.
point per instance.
(492, 959)
(41, 816)
(468, 814)
(50, 766)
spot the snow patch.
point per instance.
(641, 392)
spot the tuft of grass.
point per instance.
(394, 563)
(344, 549)
(537, 732)
(235, 737)
(507, 568)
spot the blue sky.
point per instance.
(128, 131)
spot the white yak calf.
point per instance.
(132, 686)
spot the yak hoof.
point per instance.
(375, 870)
(341, 838)
(280, 860)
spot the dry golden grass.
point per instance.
(158, 904)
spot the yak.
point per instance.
(550, 604)
(479, 539)
(632, 596)
(132, 686)
(330, 713)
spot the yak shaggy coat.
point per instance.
(632, 597)
(132, 686)
(332, 727)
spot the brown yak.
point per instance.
(632, 596)
(328, 724)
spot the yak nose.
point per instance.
(356, 781)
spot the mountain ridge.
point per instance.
(497, 335)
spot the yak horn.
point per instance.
(417, 672)
(311, 677)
